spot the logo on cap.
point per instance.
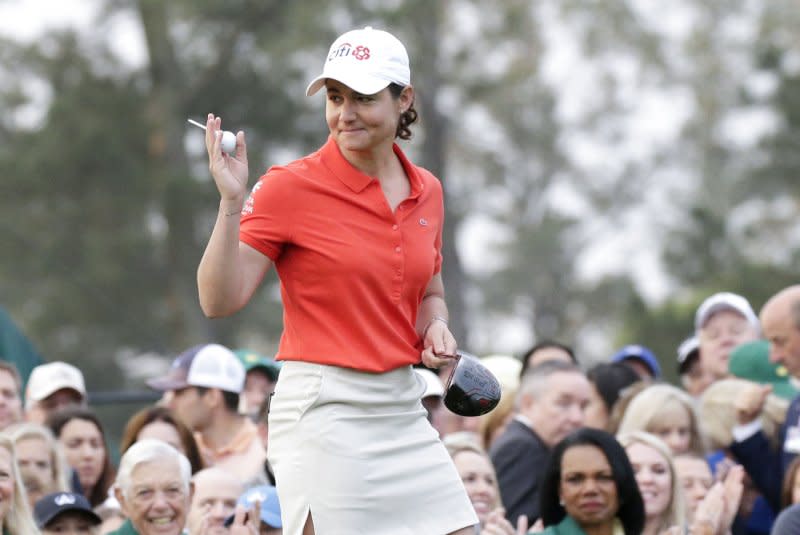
(346, 49)
(361, 53)
(64, 499)
(256, 496)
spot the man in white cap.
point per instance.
(693, 376)
(722, 322)
(205, 382)
(766, 465)
(51, 387)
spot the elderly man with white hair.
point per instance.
(153, 488)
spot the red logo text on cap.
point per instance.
(346, 49)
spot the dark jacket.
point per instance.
(519, 457)
(788, 521)
(763, 464)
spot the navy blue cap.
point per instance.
(640, 353)
(49, 507)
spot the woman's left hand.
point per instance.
(439, 345)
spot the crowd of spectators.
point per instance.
(608, 448)
(714, 454)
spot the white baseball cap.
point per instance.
(688, 351)
(724, 301)
(365, 60)
(47, 379)
(209, 366)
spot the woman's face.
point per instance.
(34, 458)
(695, 477)
(587, 487)
(673, 425)
(596, 414)
(163, 431)
(478, 476)
(653, 477)
(85, 451)
(363, 122)
(6, 482)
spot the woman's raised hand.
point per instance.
(496, 524)
(733, 487)
(710, 512)
(246, 522)
(230, 172)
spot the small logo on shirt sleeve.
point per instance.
(248, 204)
(423, 222)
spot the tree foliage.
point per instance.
(532, 116)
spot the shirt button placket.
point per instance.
(397, 282)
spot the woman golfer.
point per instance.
(354, 231)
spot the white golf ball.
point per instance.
(228, 142)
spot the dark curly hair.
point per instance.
(631, 506)
(407, 118)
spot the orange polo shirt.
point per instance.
(352, 272)
(243, 456)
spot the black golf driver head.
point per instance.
(471, 389)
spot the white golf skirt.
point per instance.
(356, 451)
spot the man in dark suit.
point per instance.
(552, 401)
(780, 323)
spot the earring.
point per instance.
(561, 502)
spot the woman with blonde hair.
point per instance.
(657, 480)
(718, 411)
(668, 413)
(480, 481)
(15, 513)
(40, 460)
